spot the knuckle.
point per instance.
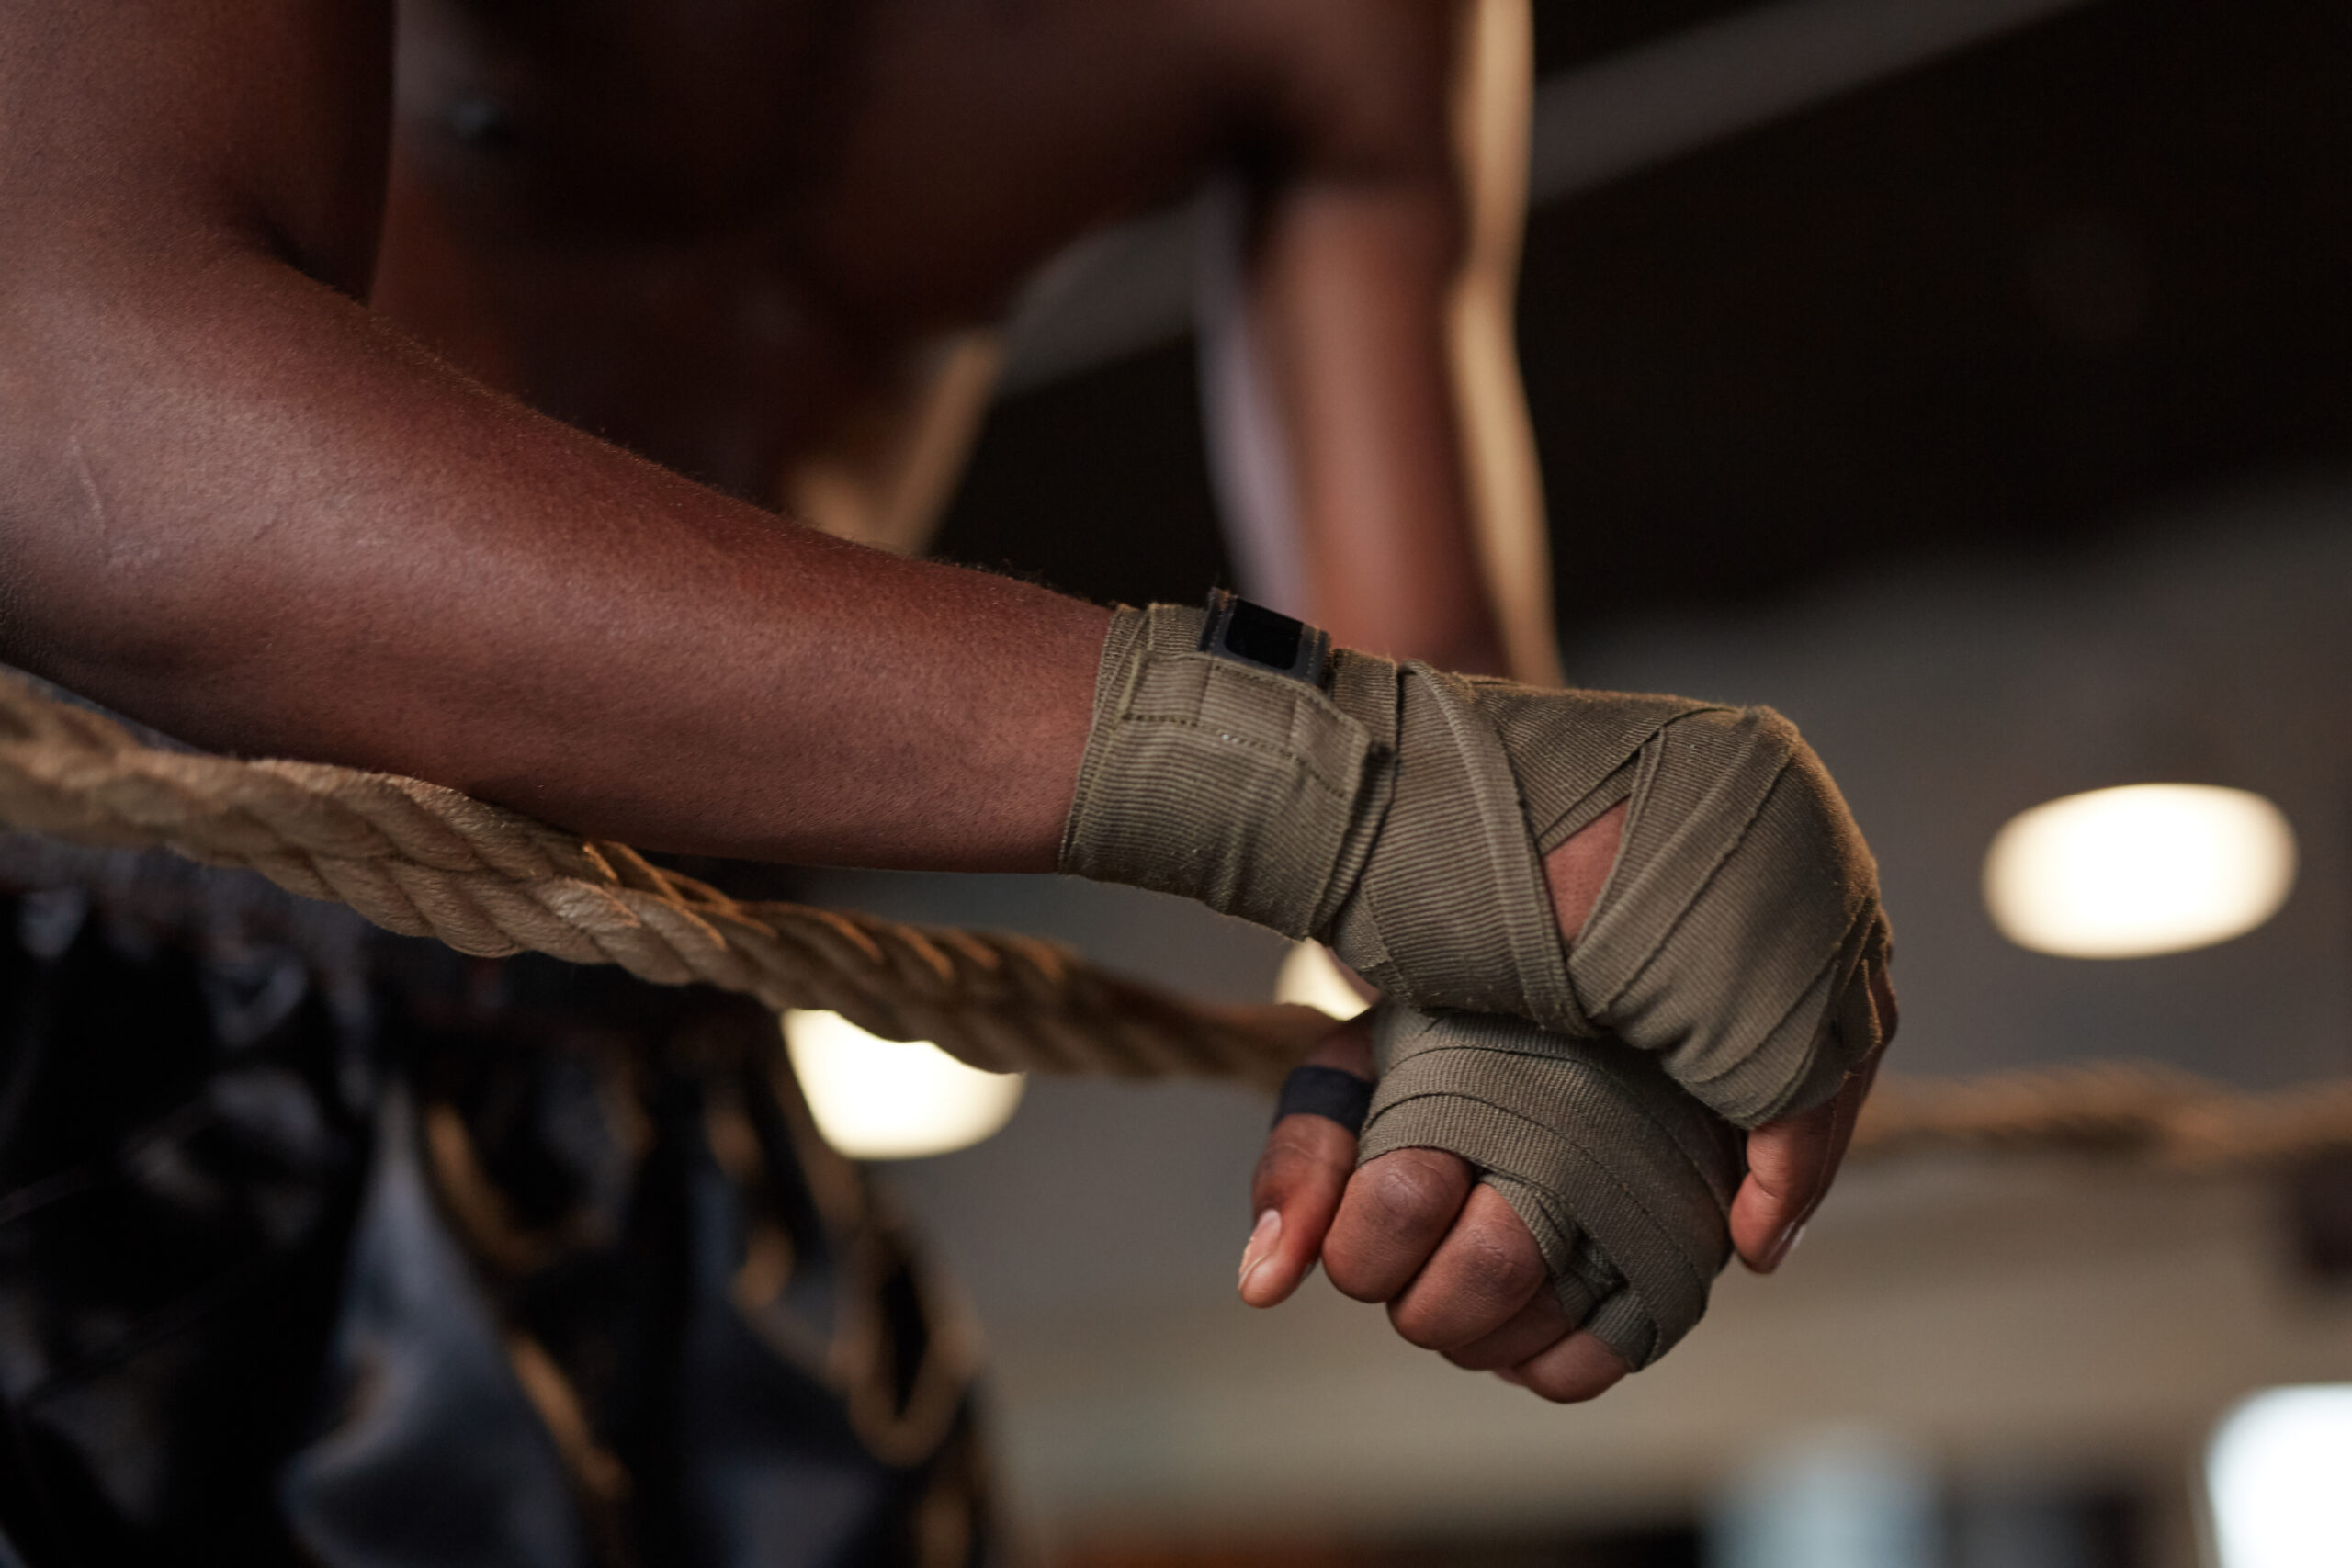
(1407, 1191)
(1283, 1158)
(1307, 1139)
(1494, 1271)
(1480, 1281)
(1289, 1161)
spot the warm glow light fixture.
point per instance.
(1312, 976)
(2143, 869)
(875, 1099)
(2275, 1477)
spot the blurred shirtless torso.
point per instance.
(765, 241)
(735, 235)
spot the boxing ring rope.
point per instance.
(424, 860)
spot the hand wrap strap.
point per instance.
(1328, 1092)
(1401, 815)
(1626, 1180)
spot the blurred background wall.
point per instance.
(1972, 379)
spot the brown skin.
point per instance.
(237, 502)
(1364, 367)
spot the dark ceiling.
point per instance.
(2001, 303)
(1577, 32)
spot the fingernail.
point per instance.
(1786, 1245)
(1263, 1236)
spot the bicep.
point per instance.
(146, 129)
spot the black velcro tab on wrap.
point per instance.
(1252, 635)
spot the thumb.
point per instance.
(1300, 1175)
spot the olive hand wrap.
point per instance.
(1625, 1181)
(1401, 815)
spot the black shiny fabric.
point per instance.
(415, 1259)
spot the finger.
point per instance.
(1394, 1211)
(1535, 1327)
(1299, 1181)
(1850, 1103)
(1793, 1163)
(1790, 1166)
(1486, 1270)
(1576, 1369)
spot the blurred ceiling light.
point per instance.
(1310, 976)
(2139, 870)
(2275, 1476)
(877, 1099)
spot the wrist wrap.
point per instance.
(1625, 1181)
(1401, 814)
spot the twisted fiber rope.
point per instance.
(425, 861)
(2147, 1114)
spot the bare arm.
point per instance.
(1374, 331)
(236, 504)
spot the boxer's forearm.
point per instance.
(1352, 285)
(239, 507)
